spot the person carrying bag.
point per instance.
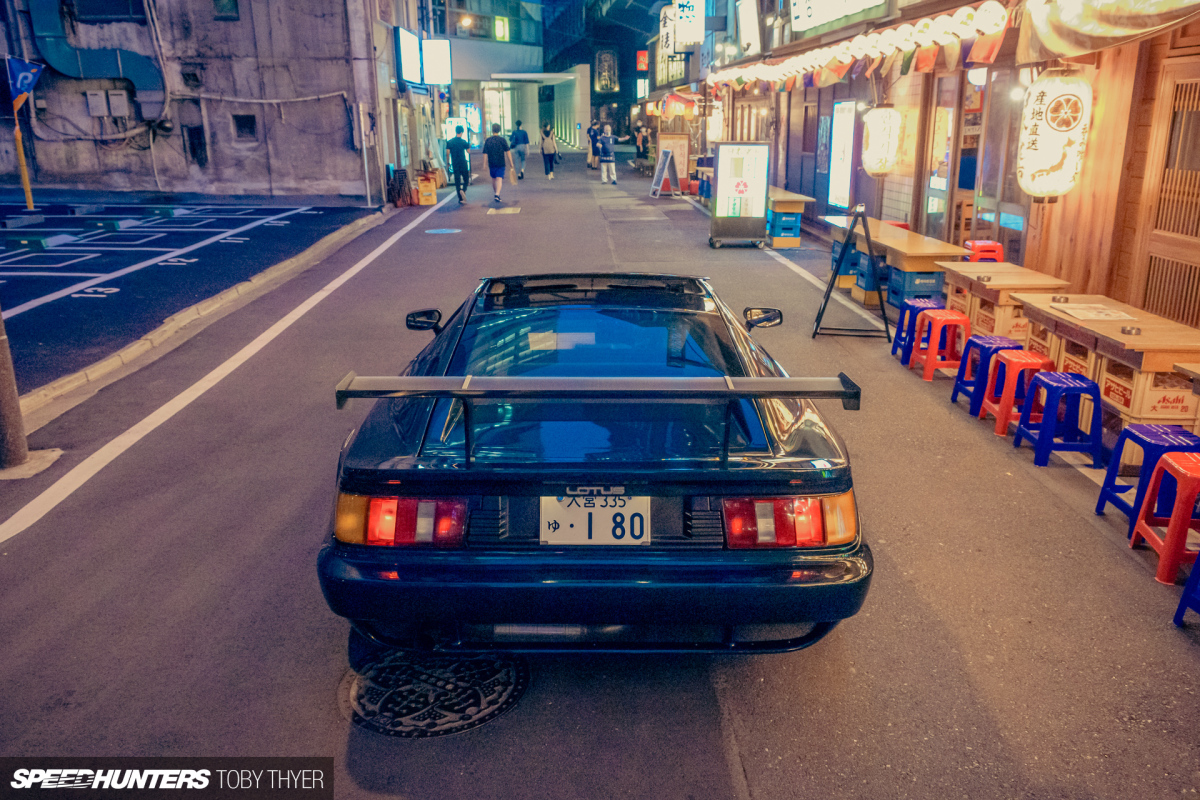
(549, 150)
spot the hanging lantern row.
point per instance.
(990, 19)
(672, 106)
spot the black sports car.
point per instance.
(594, 461)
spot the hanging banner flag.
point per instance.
(952, 53)
(889, 61)
(986, 48)
(906, 64)
(840, 69)
(859, 66)
(874, 66)
(643, 60)
(22, 77)
(790, 84)
(689, 23)
(926, 58)
(965, 57)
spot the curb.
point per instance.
(258, 284)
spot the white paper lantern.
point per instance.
(1054, 131)
(991, 17)
(881, 140)
(923, 32)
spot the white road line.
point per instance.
(51, 274)
(808, 276)
(12, 312)
(65, 486)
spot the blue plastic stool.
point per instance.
(986, 348)
(1061, 387)
(1154, 441)
(906, 326)
(1191, 595)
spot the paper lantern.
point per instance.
(1054, 131)
(881, 140)
(991, 18)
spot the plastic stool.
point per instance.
(1154, 441)
(1060, 387)
(906, 326)
(940, 348)
(984, 250)
(972, 374)
(1172, 547)
(1191, 597)
(1014, 363)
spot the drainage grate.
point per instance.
(417, 696)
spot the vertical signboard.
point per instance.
(841, 153)
(607, 79)
(666, 32)
(408, 55)
(689, 22)
(435, 62)
(749, 35)
(643, 60)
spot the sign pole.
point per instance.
(21, 152)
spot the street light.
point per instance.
(465, 21)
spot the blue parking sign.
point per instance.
(22, 77)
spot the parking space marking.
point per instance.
(76, 477)
(20, 309)
(46, 260)
(115, 238)
(51, 274)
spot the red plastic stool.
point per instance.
(933, 354)
(1004, 406)
(984, 250)
(897, 224)
(1172, 548)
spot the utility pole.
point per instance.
(14, 449)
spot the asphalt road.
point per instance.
(97, 289)
(1012, 645)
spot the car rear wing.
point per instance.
(726, 389)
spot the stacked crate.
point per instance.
(869, 283)
(904, 286)
(849, 265)
(783, 229)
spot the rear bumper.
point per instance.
(589, 588)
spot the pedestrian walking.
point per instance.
(642, 140)
(520, 143)
(549, 150)
(499, 155)
(460, 163)
(593, 133)
(607, 143)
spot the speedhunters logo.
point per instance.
(110, 779)
(194, 778)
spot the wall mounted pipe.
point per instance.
(50, 35)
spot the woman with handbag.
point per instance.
(549, 150)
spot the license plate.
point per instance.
(595, 520)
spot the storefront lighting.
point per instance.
(1017, 93)
(1054, 131)
(923, 32)
(466, 22)
(862, 106)
(944, 30)
(906, 37)
(881, 140)
(770, 20)
(991, 17)
(978, 77)
(964, 22)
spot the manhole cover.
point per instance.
(444, 230)
(415, 696)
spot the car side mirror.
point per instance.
(426, 319)
(762, 317)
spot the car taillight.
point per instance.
(755, 522)
(400, 521)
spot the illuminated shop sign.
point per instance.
(689, 22)
(811, 17)
(741, 189)
(435, 61)
(841, 153)
(408, 55)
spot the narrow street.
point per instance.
(161, 596)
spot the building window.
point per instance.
(225, 9)
(193, 139)
(245, 126)
(108, 10)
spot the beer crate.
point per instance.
(863, 297)
(1077, 359)
(1147, 394)
(995, 320)
(1041, 339)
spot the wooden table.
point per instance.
(1136, 371)
(905, 250)
(1193, 372)
(983, 291)
(786, 202)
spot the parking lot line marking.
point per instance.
(50, 274)
(21, 309)
(65, 486)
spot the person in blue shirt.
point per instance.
(608, 154)
(520, 143)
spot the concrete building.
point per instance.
(273, 97)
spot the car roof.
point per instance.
(630, 289)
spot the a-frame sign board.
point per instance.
(859, 215)
(665, 168)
